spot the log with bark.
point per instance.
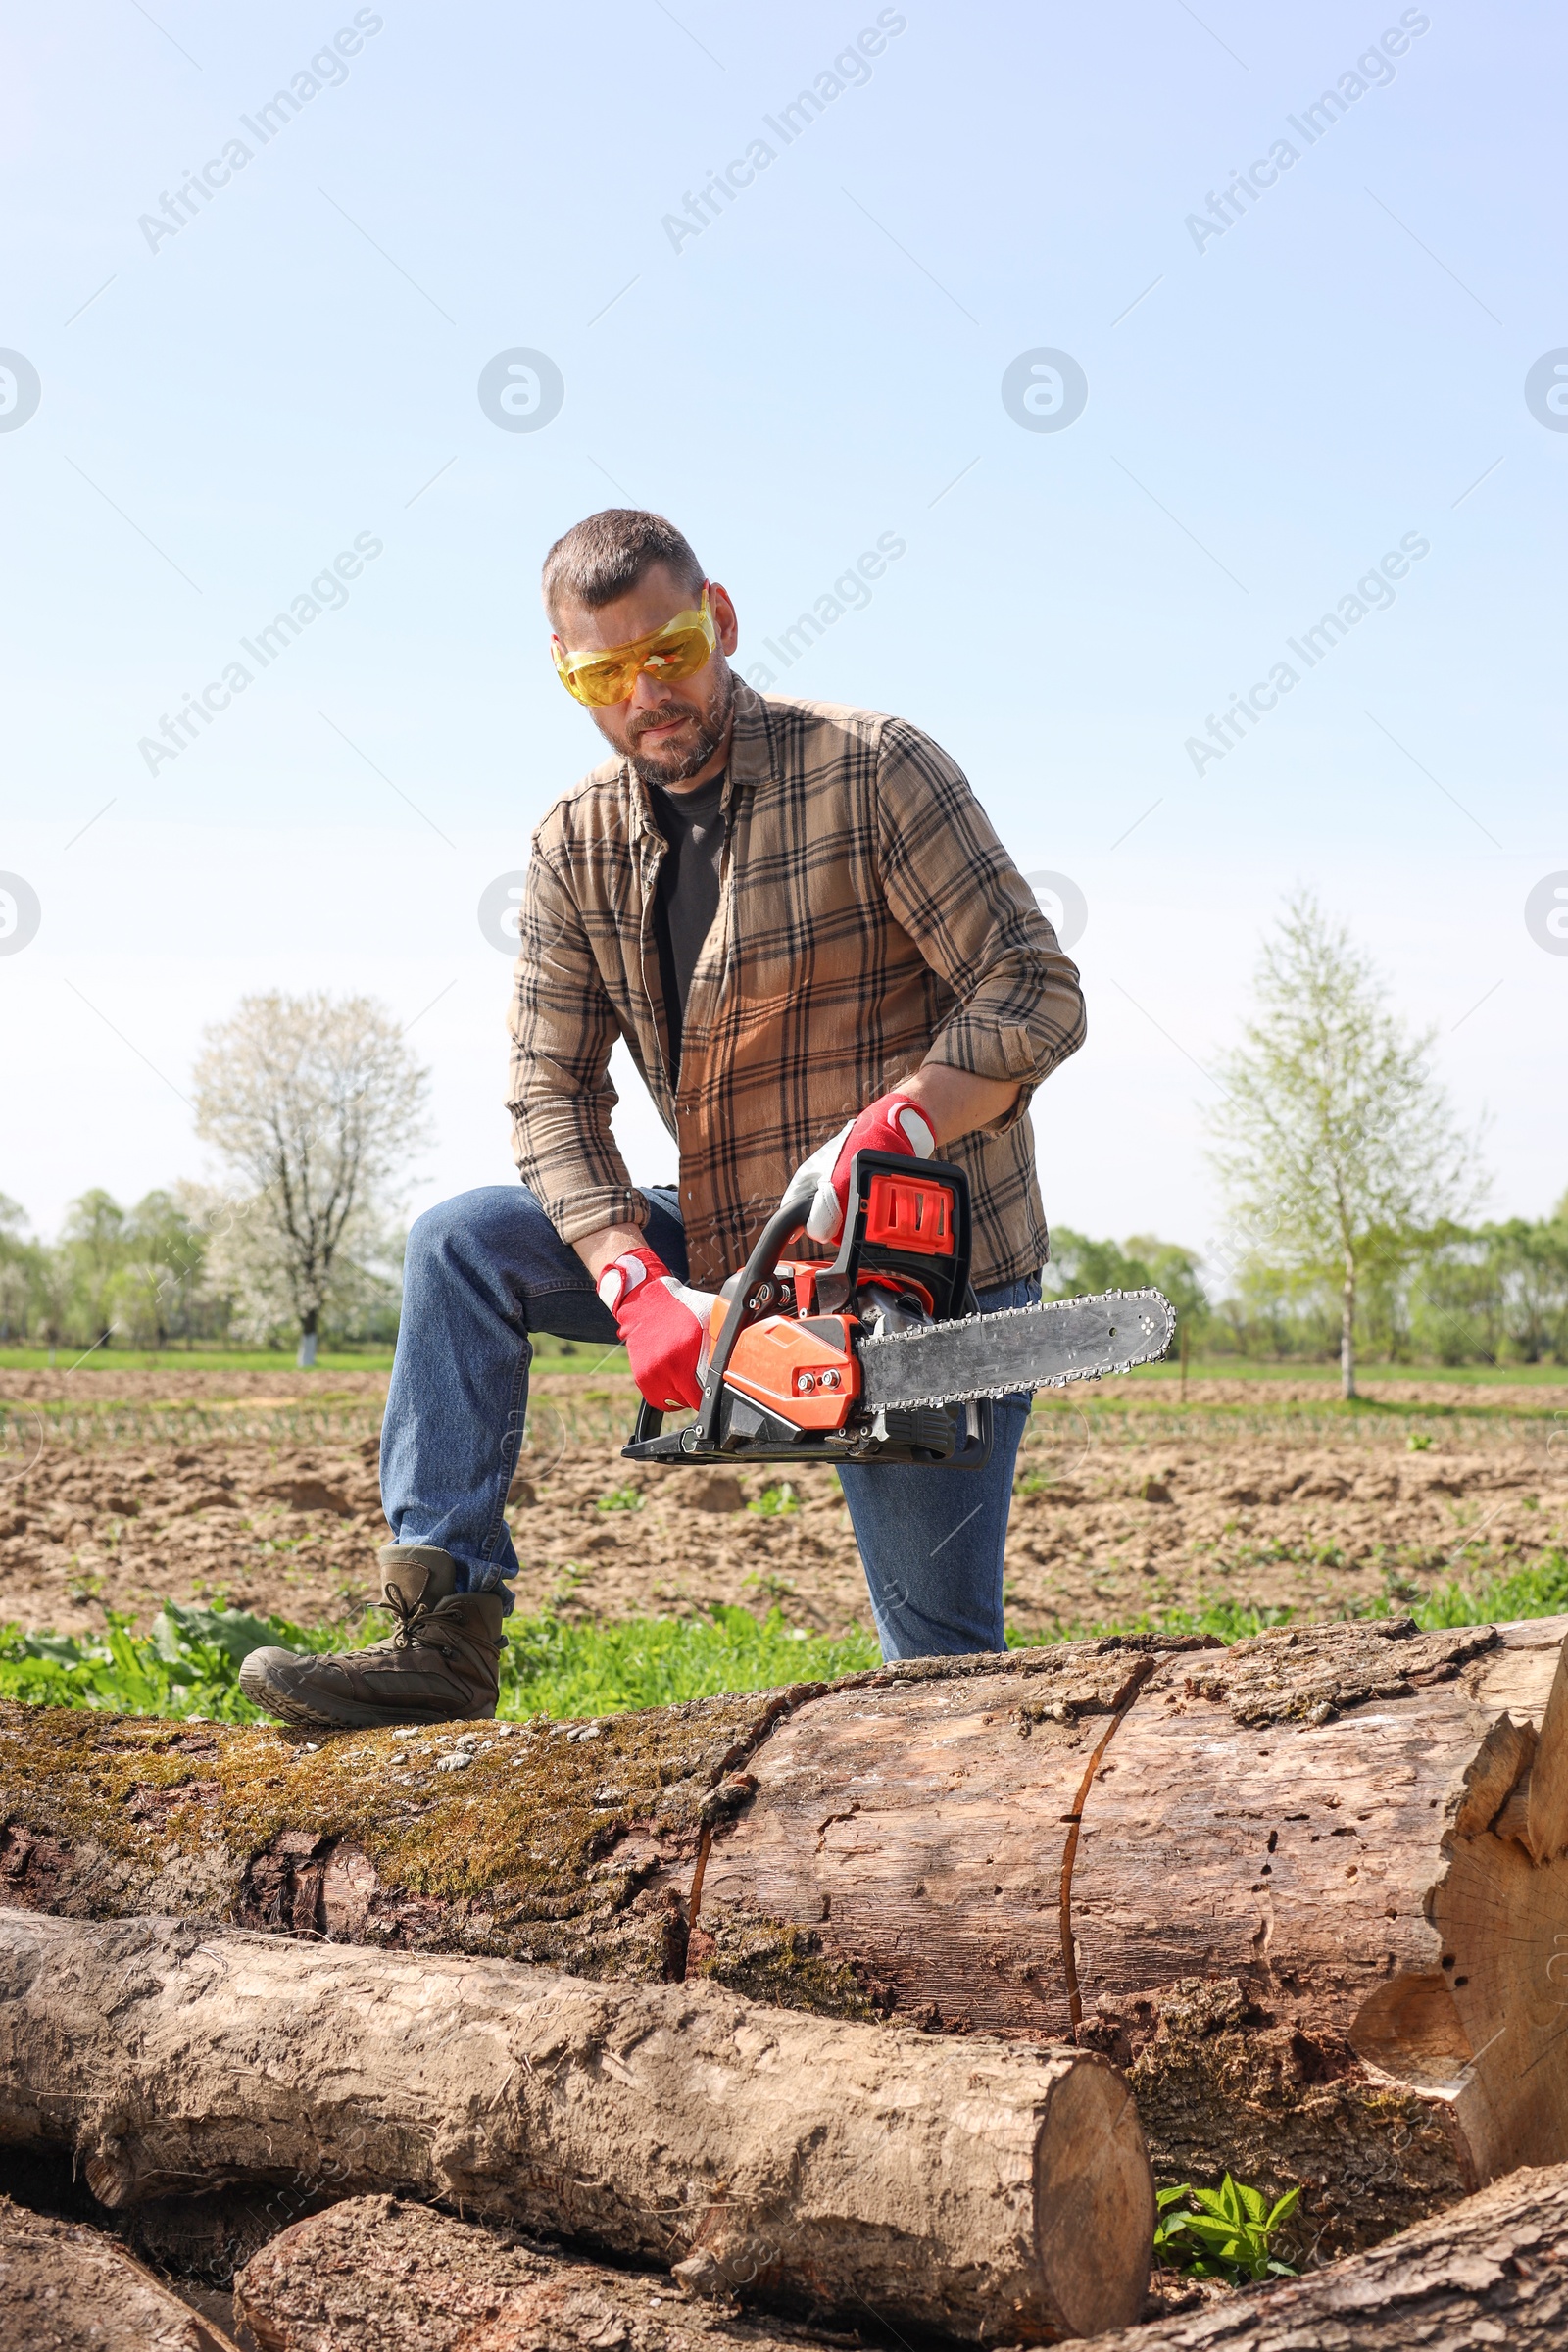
(1309, 1889)
(1491, 2270)
(985, 2190)
(383, 2274)
(67, 2287)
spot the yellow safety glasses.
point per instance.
(676, 651)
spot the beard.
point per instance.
(673, 763)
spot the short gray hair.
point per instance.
(605, 557)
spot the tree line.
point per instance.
(1351, 1188)
(162, 1274)
(1490, 1293)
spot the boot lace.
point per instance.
(411, 1615)
(417, 1622)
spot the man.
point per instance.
(800, 922)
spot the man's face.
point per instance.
(674, 733)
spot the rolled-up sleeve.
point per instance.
(953, 889)
(559, 1091)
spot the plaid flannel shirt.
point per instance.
(870, 921)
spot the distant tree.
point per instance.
(1080, 1269)
(1529, 1268)
(91, 1252)
(317, 1105)
(161, 1269)
(20, 1267)
(1336, 1144)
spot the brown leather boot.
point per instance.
(440, 1666)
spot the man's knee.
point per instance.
(496, 1221)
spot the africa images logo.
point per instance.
(1545, 390)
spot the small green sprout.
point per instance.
(619, 1499)
(775, 1501)
(1223, 2233)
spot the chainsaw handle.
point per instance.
(786, 1219)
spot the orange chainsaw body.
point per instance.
(784, 1380)
(803, 1369)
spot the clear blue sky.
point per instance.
(1273, 406)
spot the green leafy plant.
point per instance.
(1225, 2232)
(187, 1665)
(775, 1501)
(619, 1499)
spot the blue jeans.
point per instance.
(487, 1269)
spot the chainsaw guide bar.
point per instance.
(1043, 1347)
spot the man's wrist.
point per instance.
(955, 1102)
(600, 1250)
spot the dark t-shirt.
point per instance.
(693, 827)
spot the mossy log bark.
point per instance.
(66, 2287)
(1309, 1890)
(989, 2190)
(1493, 2271)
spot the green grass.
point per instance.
(188, 1664)
(564, 1354)
(70, 1356)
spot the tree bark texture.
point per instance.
(66, 2287)
(1491, 2270)
(987, 2189)
(1309, 1889)
(382, 2275)
(566, 1843)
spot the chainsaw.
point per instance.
(883, 1355)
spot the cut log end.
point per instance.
(1094, 2197)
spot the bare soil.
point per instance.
(121, 1488)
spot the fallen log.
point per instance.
(381, 2274)
(1491, 2270)
(1310, 1890)
(1306, 1889)
(66, 2287)
(987, 2189)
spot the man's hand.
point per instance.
(894, 1124)
(665, 1325)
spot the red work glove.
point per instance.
(894, 1124)
(664, 1326)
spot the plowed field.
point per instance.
(120, 1489)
